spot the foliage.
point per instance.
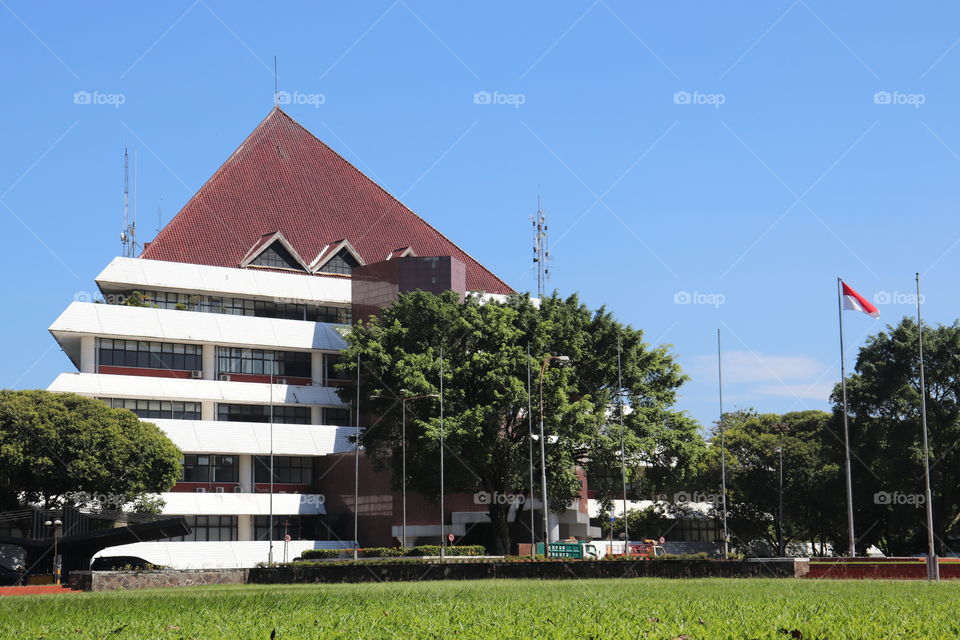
(486, 425)
(493, 609)
(885, 435)
(394, 552)
(66, 449)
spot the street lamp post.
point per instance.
(780, 429)
(543, 456)
(56, 524)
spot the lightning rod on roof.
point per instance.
(541, 252)
(276, 84)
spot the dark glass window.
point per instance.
(281, 525)
(276, 255)
(336, 315)
(343, 262)
(157, 408)
(263, 362)
(211, 528)
(331, 361)
(261, 413)
(149, 355)
(286, 469)
(336, 417)
(210, 468)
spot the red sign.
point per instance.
(662, 539)
(286, 538)
(450, 537)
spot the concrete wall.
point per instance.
(112, 580)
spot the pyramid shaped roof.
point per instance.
(284, 180)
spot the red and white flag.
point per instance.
(853, 301)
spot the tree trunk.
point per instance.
(500, 529)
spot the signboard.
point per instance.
(286, 538)
(449, 537)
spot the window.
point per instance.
(281, 525)
(336, 315)
(157, 408)
(332, 360)
(342, 263)
(149, 355)
(286, 469)
(336, 417)
(210, 468)
(261, 413)
(277, 256)
(211, 528)
(263, 362)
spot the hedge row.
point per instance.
(393, 552)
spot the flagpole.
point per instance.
(723, 454)
(933, 566)
(851, 542)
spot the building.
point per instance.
(234, 314)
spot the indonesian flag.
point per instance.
(853, 301)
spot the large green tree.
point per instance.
(885, 431)
(65, 449)
(813, 504)
(485, 367)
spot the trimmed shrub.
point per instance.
(434, 550)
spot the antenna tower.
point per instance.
(128, 235)
(541, 252)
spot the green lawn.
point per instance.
(631, 608)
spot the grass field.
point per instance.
(635, 608)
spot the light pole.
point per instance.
(403, 455)
(533, 526)
(443, 519)
(780, 429)
(56, 524)
(543, 456)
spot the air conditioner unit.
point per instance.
(196, 374)
(224, 376)
(280, 381)
(200, 490)
(218, 490)
(238, 489)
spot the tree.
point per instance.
(886, 440)
(485, 368)
(812, 480)
(62, 449)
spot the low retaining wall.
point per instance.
(880, 568)
(111, 580)
(414, 571)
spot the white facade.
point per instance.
(174, 377)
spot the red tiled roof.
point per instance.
(284, 179)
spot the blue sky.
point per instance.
(738, 155)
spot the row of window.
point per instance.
(224, 528)
(149, 355)
(189, 357)
(282, 414)
(226, 468)
(295, 364)
(234, 306)
(157, 408)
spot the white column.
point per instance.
(209, 362)
(244, 527)
(88, 354)
(316, 415)
(246, 473)
(316, 368)
(207, 410)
